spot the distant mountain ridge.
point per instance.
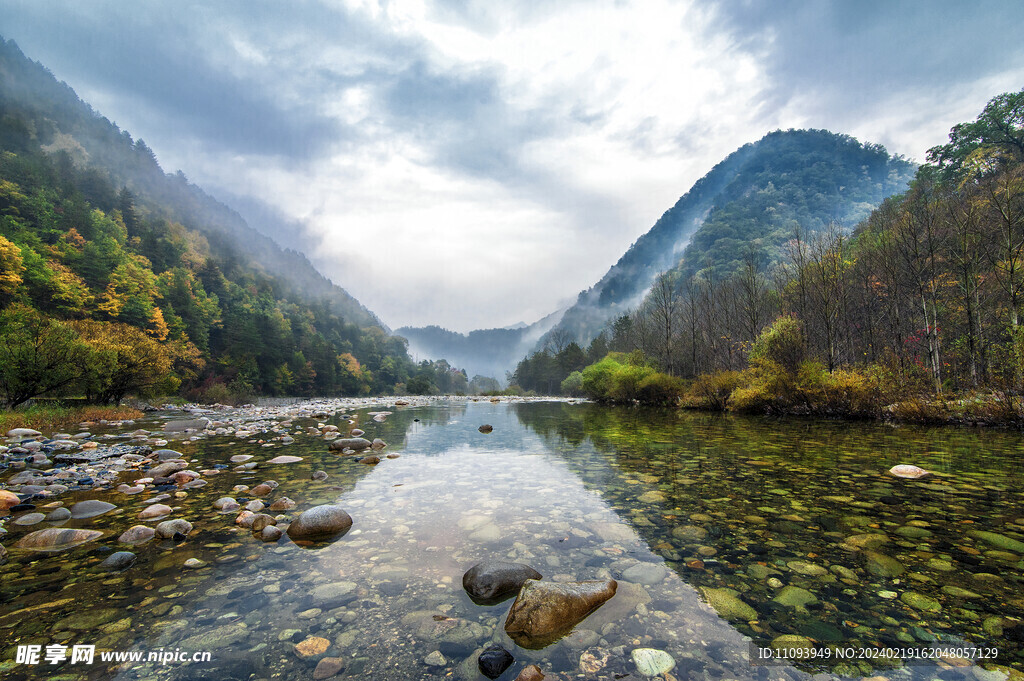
(487, 352)
(759, 193)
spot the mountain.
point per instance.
(49, 113)
(754, 198)
(486, 352)
(112, 259)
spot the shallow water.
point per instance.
(677, 508)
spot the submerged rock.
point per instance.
(494, 660)
(155, 511)
(91, 508)
(320, 523)
(57, 539)
(30, 519)
(285, 458)
(357, 444)
(652, 662)
(881, 565)
(283, 504)
(491, 581)
(728, 604)
(998, 540)
(137, 534)
(486, 428)
(270, 533)
(183, 425)
(122, 560)
(543, 612)
(58, 514)
(173, 529)
(908, 471)
(226, 504)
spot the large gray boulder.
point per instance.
(320, 523)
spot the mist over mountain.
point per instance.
(146, 284)
(54, 116)
(754, 198)
(485, 352)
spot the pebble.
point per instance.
(651, 661)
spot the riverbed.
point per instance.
(726, 537)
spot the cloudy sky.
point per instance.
(477, 163)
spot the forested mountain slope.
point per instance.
(133, 280)
(754, 199)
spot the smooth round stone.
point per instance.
(645, 573)
(169, 529)
(908, 472)
(136, 534)
(226, 505)
(492, 580)
(240, 458)
(58, 514)
(30, 519)
(57, 539)
(285, 458)
(319, 475)
(122, 560)
(283, 504)
(255, 506)
(270, 533)
(260, 521)
(8, 499)
(194, 563)
(320, 522)
(651, 661)
(155, 511)
(91, 508)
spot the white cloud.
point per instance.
(472, 164)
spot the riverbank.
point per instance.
(51, 416)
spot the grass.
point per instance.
(51, 417)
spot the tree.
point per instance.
(999, 126)
(123, 360)
(37, 355)
(11, 268)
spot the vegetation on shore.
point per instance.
(915, 315)
(52, 417)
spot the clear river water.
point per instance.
(727, 536)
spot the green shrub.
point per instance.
(782, 343)
(712, 391)
(626, 381)
(573, 384)
(660, 388)
(598, 379)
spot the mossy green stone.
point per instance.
(881, 565)
(920, 602)
(727, 604)
(998, 540)
(795, 597)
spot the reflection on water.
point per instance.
(786, 528)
